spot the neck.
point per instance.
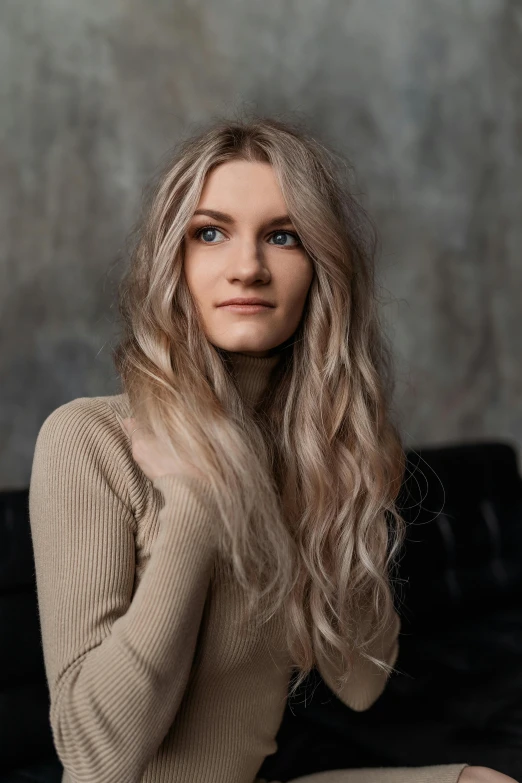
(253, 373)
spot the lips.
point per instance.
(245, 301)
(247, 309)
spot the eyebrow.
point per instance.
(282, 220)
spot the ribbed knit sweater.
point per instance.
(149, 679)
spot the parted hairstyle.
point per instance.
(306, 483)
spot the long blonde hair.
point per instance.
(306, 485)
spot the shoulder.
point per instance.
(90, 420)
(85, 434)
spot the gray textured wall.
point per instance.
(424, 96)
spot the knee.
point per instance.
(483, 775)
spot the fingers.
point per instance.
(130, 425)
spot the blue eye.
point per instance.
(208, 234)
(288, 234)
(207, 230)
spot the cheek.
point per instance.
(296, 285)
(199, 281)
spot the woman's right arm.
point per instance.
(117, 665)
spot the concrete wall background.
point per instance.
(425, 98)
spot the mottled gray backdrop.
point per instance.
(423, 96)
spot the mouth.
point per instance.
(247, 308)
(246, 300)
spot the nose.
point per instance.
(248, 262)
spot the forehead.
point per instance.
(242, 187)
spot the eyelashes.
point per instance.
(298, 243)
(199, 231)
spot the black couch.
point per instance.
(458, 696)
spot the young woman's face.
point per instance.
(249, 249)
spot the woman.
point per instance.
(226, 520)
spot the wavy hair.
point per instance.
(305, 484)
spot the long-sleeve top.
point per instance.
(150, 680)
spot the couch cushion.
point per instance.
(26, 738)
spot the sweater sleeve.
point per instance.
(117, 664)
(366, 682)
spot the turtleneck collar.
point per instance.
(252, 374)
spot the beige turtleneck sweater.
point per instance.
(149, 680)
